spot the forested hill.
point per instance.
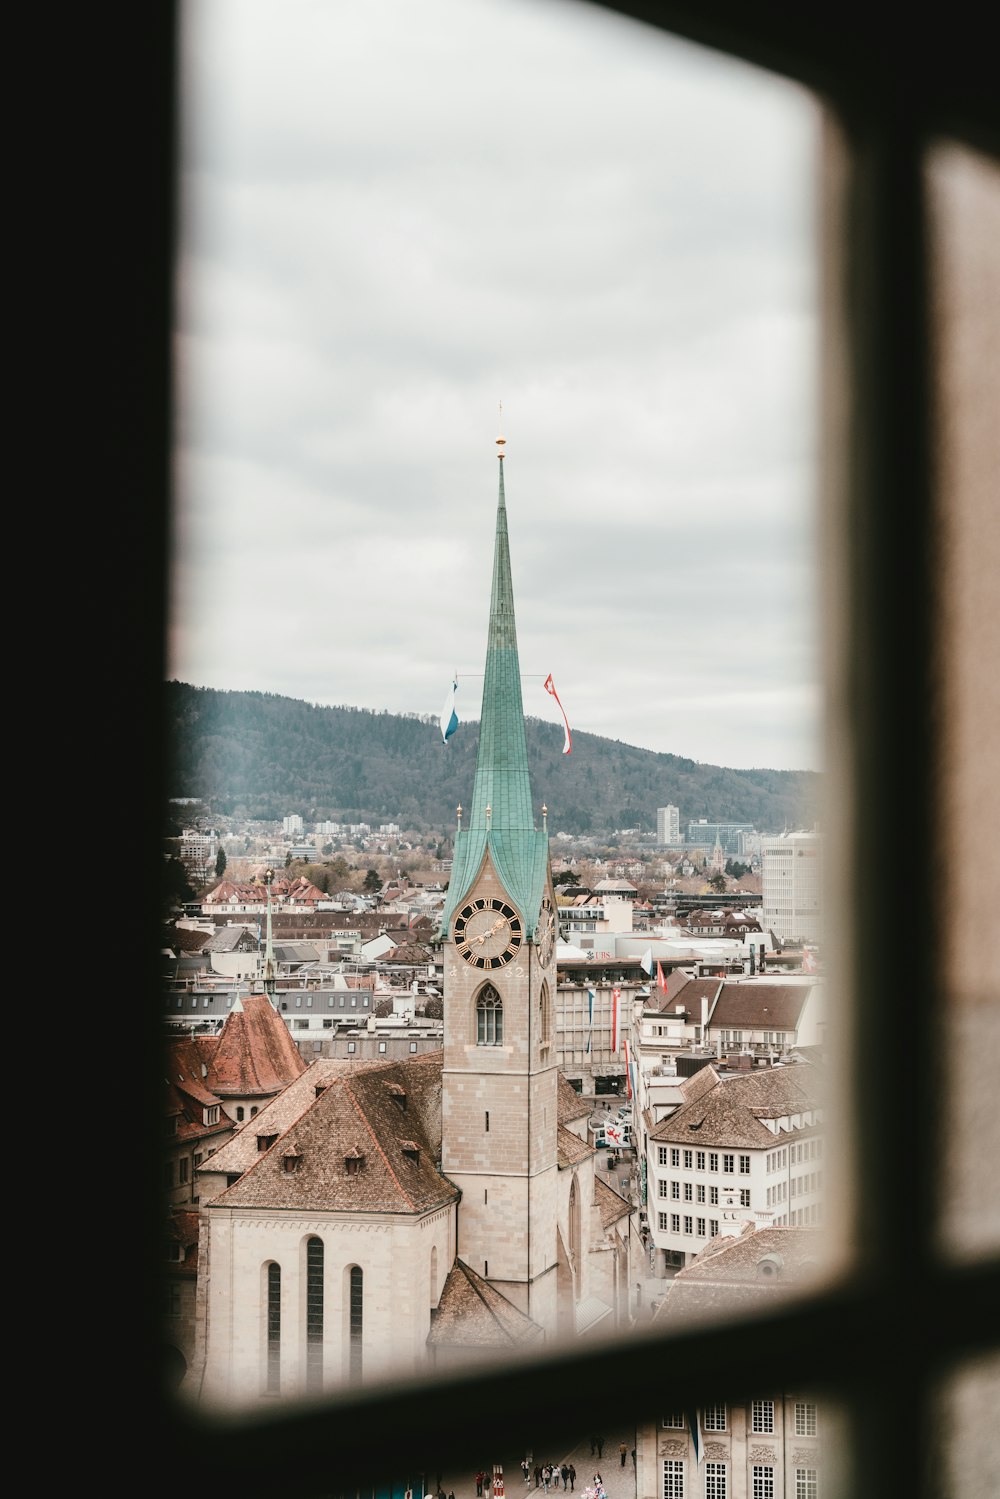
(257, 755)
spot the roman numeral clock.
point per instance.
(487, 933)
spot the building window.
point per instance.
(662, 1222)
(673, 1478)
(240, 1111)
(182, 1169)
(272, 1384)
(356, 1326)
(675, 1190)
(688, 1192)
(713, 1228)
(713, 1160)
(713, 1418)
(762, 1481)
(701, 1194)
(661, 1155)
(675, 1223)
(352, 1046)
(700, 1160)
(715, 1481)
(172, 1301)
(489, 1018)
(413, 1045)
(728, 1162)
(762, 1415)
(688, 1159)
(713, 1196)
(314, 1314)
(700, 1228)
(675, 1420)
(806, 1484)
(327, 1023)
(744, 1165)
(675, 1156)
(381, 1046)
(805, 1418)
(744, 1197)
(688, 1224)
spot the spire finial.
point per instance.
(501, 440)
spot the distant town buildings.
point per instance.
(792, 886)
(668, 824)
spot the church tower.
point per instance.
(499, 1083)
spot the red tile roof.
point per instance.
(255, 1054)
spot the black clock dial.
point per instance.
(487, 933)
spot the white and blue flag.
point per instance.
(449, 718)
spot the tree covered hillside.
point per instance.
(257, 755)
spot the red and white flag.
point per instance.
(550, 687)
(661, 981)
(616, 997)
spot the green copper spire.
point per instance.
(502, 783)
(501, 818)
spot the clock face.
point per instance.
(487, 933)
(545, 935)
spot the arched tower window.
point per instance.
(356, 1320)
(489, 1017)
(434, 1276)
(314, 1314)
(574, 1223)
(272, 1380)
(544, 1016)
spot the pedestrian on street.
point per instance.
(633, 1457)
(546, 1475)
(480, 1480)
(572, 1477)
(565, 1475)
(555, 1476)
(538, 1475)
(622, 1452)
(600, 1446)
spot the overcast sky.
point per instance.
(397, 215)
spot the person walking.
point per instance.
(622, 1452)
(555, 1475)
(600, 1446)
(538, 1475)
(565, 1475)
(480, 1480)
(572, 1477)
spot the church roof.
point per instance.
(255, 1054)
(366, 1142)
(571, 1149)
(501, 821)
(612, 1206)
(571, 1104)
(473, 1314)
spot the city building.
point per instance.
(331, 1248)
(730, 835)
(792, 886)
(668, 824)
(764, 1444)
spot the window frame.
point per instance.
(880, 585)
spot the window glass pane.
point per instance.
(632, 245)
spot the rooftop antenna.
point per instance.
(501, 440)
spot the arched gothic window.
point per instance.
(356, 1320)
(544, 1016)
(314, 1314)
(489, 1017)
(272, 1380)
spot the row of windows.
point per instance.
(717, 1482)
(691, 1225)
(715, 1418)
(339, 1001)
(695, 1192)
(801, 1217)
(315, 1253)
(702, 1160)
(353, 1046)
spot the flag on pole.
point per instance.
(550, 687)
(809, 964)
(661, 982)
(646, 961)
(628, 1071)
(692, 1419)
(591, 996)
(616, 995)
(449, 718)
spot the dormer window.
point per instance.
(211, 1114)
(410, 1149)
(290, 1158)
(353, 1162)
(264, 1142)
(397, 1094)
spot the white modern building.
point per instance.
(792, 886)
(668, 824)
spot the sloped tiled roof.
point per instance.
(355, 1114)
(732, 1274)
(760, 1006)
(570, 1104)
(255, 1054)
(729, 1113)
(571, 1150)
(684, 990)
(613, 1207)
(473, 1314)
(228, 938)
